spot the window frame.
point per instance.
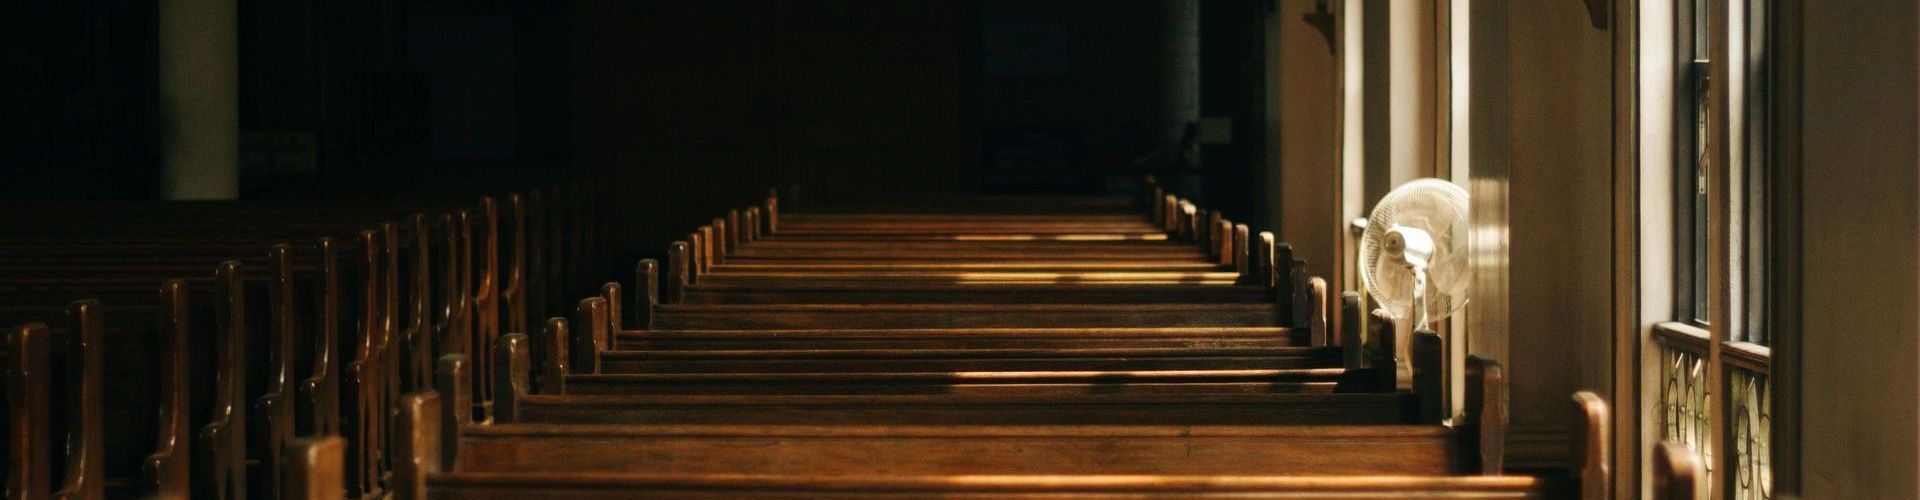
(1714, 382)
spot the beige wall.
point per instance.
(1540, 144)
(1549, 147)
(1861, 366)
(1303, 78)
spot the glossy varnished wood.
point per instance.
(788, 316)
(595, 486)
(835, 450)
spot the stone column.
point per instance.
(199, 100)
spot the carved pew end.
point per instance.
(1592, 453)
(510, 379)
(593, 335)
(679, 263)
(1677, 472)
(314, 468)
(773, 211)
(647, 275)
(453, 381)
(553, 363)
(1486, 413)
(418, 453)
(1429, 376)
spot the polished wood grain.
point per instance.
(1024, 353)
(909, 449)
(1677, 472)
(29, 421)
(313, 468)
(217, 420)
(592, 486)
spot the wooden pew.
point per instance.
(437, 438)
(563, 395)
(838, 316)
(281, 397)
(1677, 472)
(828, 354)
(958, 339)
(36, 439)
(810, 274)
(610, 371)
(1438, 441)
(599, 461)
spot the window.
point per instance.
(1693, 128)
(1714, 366)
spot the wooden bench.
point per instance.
(597, 461)
(575, 451)
(55, 368)
(1031, 399)
(449, 286)
(1048, 396)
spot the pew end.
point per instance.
(616, 314)
(319, 390)
(751, 229)
(452, 382)
(314, 468)
(221, 444)
(510, 381)
(1592, 446)
(1317, 333)
(1224, 243)
(736, 230)
(773, 211)
(705, 252)
(1485, 421)
(647, 277)
(553, 362)
(696, 257)
(721, 239)
(1352, 336)
(1170, 215)
(1242, 260)
(29, 413)
(1384, 358)
(165, 473)
(592, 336)
(679, 263)
(1677, 472)
(1266, 261)
(1429, 376)
(417, 452)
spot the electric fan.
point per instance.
(1413, 256)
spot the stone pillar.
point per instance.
(199, 100)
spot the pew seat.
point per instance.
(983, 290)
(975, 409)
(958, 338)
(920, 449)
(1255, 381)
(519, 485)
(959, 360)
(823, 316)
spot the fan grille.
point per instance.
(1439, 208)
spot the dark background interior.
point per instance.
(686, 107)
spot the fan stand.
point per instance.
(1419, 297)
